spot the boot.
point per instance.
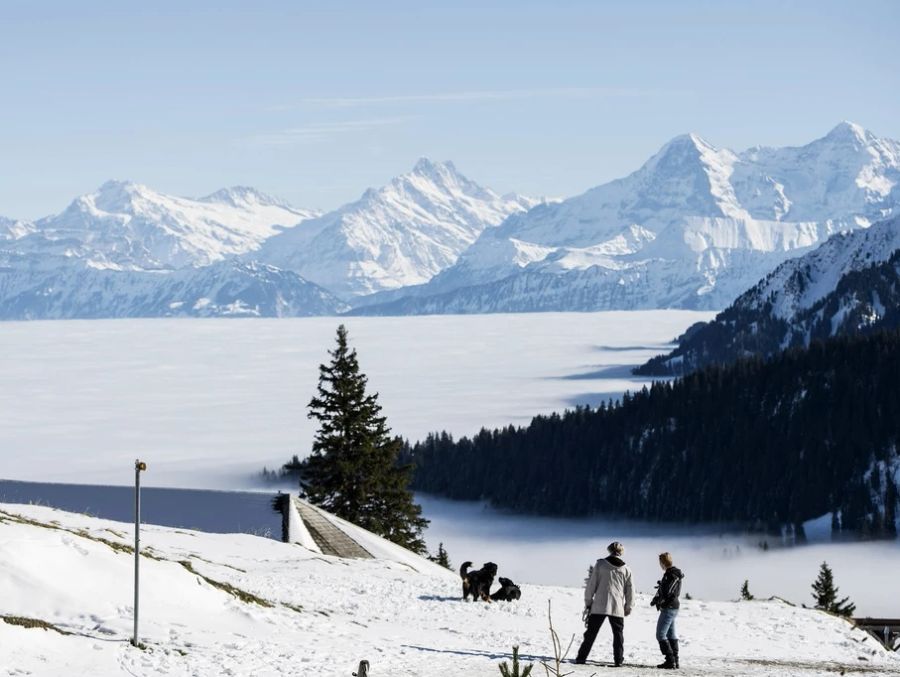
(666, 648)
(674, 644)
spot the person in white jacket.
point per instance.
(609, 593)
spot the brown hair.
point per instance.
(666, 559)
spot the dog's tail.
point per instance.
(464, 570)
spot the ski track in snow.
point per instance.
(404, 622)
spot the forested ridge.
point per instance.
(765, 443)
(863, 302)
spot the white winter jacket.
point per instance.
(609, 591)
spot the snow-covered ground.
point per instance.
(207, 403)
(326, 615)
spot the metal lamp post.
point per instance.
(139, 467)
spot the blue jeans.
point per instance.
(665, 626)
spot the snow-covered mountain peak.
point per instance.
(853, 145)
(849, 132)
(434, 169)
(428, 177)
(400, 234)
(688, 152)
(847, 177)
(120, 186)
(847, 140)
(690, 143)
(244, 196)
(845, 135)
(116, 196)
(128, 225)
(690, 175)
(429, 174)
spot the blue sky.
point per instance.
(315, 102)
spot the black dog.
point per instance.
(508, 591)
(478, 583)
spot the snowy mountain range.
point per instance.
(127, 226)
(694, 227)
(126, 250)
(401, 234)
(849, 285)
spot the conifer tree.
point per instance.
(745, 592)
(441, 557)
(353, 469)
(825, 593)
(516, 670)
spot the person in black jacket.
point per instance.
(668, 590)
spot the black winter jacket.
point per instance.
(668, 590)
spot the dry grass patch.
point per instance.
(243, 595)
(24, 622)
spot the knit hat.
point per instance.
(616, 548)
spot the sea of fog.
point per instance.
(543, 550)
(207, 403)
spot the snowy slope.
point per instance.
(850, 284)
(46, 287)
(125, 225)
(798, 284)
(401, 234)
(692, 228)
(291, 611)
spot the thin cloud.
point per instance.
(321, 131)
(478, 95)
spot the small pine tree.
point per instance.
(745, 592)
(441, 557)
(590, 573)
(514, 671)
(353, 470)
(825, 593)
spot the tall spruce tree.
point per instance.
(825, 593)
(353, 469)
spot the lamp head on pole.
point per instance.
(140, 466)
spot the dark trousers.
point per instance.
(595, 622)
